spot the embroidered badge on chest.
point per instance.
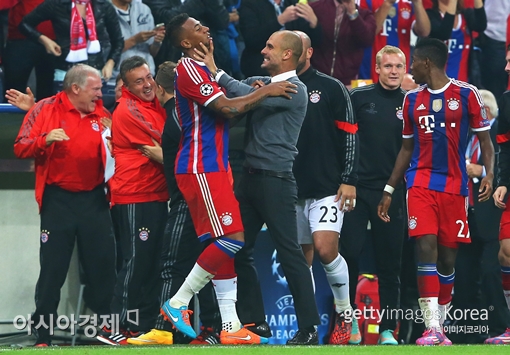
(315, 96)
(453, 104)
(95, 126)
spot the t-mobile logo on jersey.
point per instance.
(427, 123)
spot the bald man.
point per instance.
(326, 175)
(267, 192)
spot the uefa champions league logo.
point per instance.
(275, 268)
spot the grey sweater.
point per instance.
(274, 126)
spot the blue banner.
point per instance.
(278, 302)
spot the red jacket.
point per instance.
(353, 37)
(136, 179)
(31, 141)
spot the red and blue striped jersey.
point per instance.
(396, 32)
(439, 121)
(458, 50)
(204, 141)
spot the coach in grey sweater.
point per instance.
(267, 192)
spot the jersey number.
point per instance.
(461, 229)
(325, 209)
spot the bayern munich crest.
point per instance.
(44, 236)
(406, 14)
(400, 113)
(315, 97)
(206, 89)
(453, 104)
(226, 218)
(144, 234)
(95, 126)
(413, 222)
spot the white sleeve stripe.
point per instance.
(481, 129)
(218, 94)
(407, 136)
(192, 71)
(472, 88)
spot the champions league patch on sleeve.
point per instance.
(206, 89)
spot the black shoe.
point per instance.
(304, 337)
(262, 329)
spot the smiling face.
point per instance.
(272, 53)
(139, 82)
(194, 34)
(391, 70)
(88, 95)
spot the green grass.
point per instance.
(263, 350)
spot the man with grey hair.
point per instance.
(63, 134)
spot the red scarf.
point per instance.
(79, 45)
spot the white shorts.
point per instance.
(317, 215)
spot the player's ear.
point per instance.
(185, 44)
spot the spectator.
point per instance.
(57, 131)
(22, 55)
(141, 37)
(436, 188)
(452, 23)
(212, 13)
(395, 20)
(139, 201)
(326, 176)
(492, 43)
(378, 110)
(72, 20)
(346, 32)
(259, 19)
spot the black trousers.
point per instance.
(141, 227)
(21, 56)
(388, 239)
(478, 279)
(272, 200)
(65, 217)
(180, 251)
(493, 63)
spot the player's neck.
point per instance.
(437, 80)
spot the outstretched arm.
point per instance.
(230, 108)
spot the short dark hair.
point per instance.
(129, 64)
(433, 49)
(166, 75)
(174, 29)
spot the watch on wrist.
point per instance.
(353, 16)
(217, 73)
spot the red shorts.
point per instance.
(438, 213)
(504, 225)
(212, 204)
